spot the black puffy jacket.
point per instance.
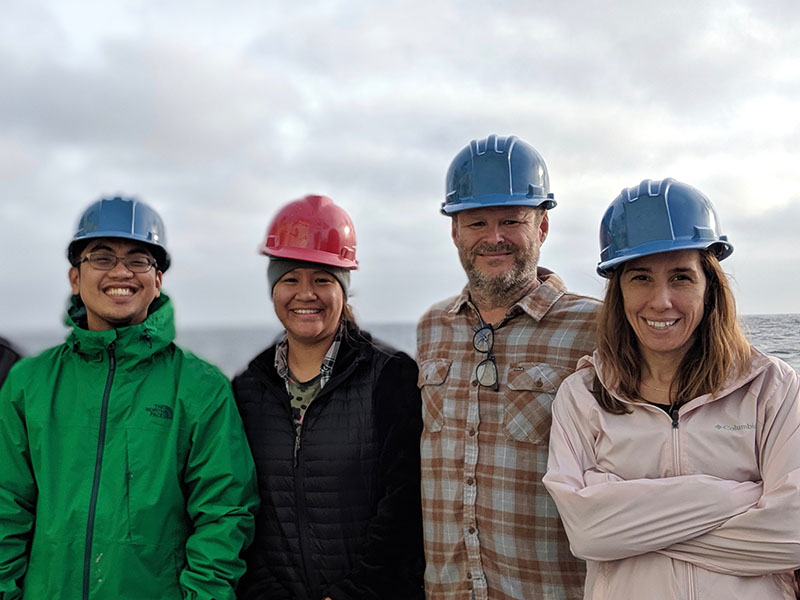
(8, 356)
(340, 514)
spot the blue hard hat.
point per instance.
(125, 218)
(497, 171)
(658, 216)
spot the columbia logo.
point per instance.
(735, 427)
(161, 411)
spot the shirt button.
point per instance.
(469, 585)
(472, 431)
(469, 575)
(470, 480)
(471, 530)
(538, 383)
(474, 382)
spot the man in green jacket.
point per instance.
(124, 469)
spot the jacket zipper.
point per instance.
(299, 497)
(677, 463)
(98, 464)
(302, 520)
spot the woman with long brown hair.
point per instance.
(675, 448)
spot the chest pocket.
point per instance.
(532, 388)
(432, 376)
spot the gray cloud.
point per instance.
(218, 116)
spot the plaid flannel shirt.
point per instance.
(491, 529)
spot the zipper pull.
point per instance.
(296, 449)
(674, 413)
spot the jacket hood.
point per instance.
(756, 365)
(154, 334)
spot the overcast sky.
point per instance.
(218, 113)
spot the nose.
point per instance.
(661, 298)
(495, 234)
(306, 291)
(120, 270)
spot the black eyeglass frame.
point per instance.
(92, 256)
(483, 342)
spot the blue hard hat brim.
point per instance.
(721, 248)
(450, 208)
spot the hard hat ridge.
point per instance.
(658, 216)
(312, 229)
(124, 218)
(497, 171)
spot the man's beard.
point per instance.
(503, 289)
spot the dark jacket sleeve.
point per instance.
(392, 563)
(258, 582)
(8, 356)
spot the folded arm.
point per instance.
(607, 518)
(765, 538)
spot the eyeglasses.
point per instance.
(486, 371)
(105, 262)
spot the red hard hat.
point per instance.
(313, 229)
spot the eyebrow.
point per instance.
(105, 248)
(674, 270)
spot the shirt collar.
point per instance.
(326, 368)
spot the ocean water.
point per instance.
(231, 349)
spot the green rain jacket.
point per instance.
(124, 470)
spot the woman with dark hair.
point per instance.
(333, 419)
(675, 448)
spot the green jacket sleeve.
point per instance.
(221, 499)
(17, 491)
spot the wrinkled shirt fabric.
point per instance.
(491, 530)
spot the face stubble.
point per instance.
(507, 287)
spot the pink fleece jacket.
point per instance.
(706, 507)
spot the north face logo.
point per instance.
(161, 411)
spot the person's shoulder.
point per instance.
(438, 316)
(194, 368)
(379, 350)
(36, 367)
(258, 364)
(773, 367)
(576, 389)
(579, 303)
(437, 309)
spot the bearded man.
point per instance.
(491, 360)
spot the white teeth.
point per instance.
(660, 324)
(306, 311)
(119, 292)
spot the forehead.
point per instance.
(305, 271)
(118, 246)
(495, 213)
(666, 261)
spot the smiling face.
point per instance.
(118, 297)
(499, 247)
(664, 299)
(309, 303)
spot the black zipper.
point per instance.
(98, 465)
